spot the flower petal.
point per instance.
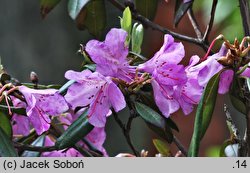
(116, 97)
(166, 105)
(226, 79)
(115, 41)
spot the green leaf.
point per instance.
(6, 147)
(75, 7)
(183, 7)
(91, 67)
(126, 21)
(75, 132)
(137, 38)
(65, 87)
(5, 124)
(238, 104)
(149, 115)
(95, 19)
(147, 8)
(154, 121)
(46, 6)
(236, 95)
(204, 113)
(161, 147)
(39, 142)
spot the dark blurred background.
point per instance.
(48, 47)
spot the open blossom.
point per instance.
(172, 88)
(110, 55)
(40, 104)
(208, 68)
(95, 91)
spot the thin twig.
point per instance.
(157, 27)
(211, 21)
(125, 133)
(194, 23)
(180, 146)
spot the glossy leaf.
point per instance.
(46, 6)
(5, 124)
(75, 7)
(236, 96)
(165, 133)
(238, 104)
(154, 121)
(65, 87)
(204, 113)
(149, 115)
(182, 9)
(161, 147)
(39, 142)
(75, 132)
(6, 147)
(147, 8)
(95, 20)
(137, 38)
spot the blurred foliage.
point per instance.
(213, 151)
(227, 23)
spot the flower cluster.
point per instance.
(174, 86)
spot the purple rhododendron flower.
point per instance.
(20, 123)
(208, 68)
(172, 88)
(97, 92)
(41, 104)
(170, 53)
(110, 56)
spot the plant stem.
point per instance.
(145, 21)
(194, 23)
(180, 146)
(211, 21)
(126, 131)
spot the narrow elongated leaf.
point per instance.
(5, 124)
(95, 20)
(6, 147)
(236, 96)
(150, 115)
(147, 8)
(39, 142)
(75, 7)
(183, 7)
(46, 6)
(238, 104)
(204, 113)
(154, 121)
(161, 147)
(65, 87)
(75, 132)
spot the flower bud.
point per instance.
(33, 77)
